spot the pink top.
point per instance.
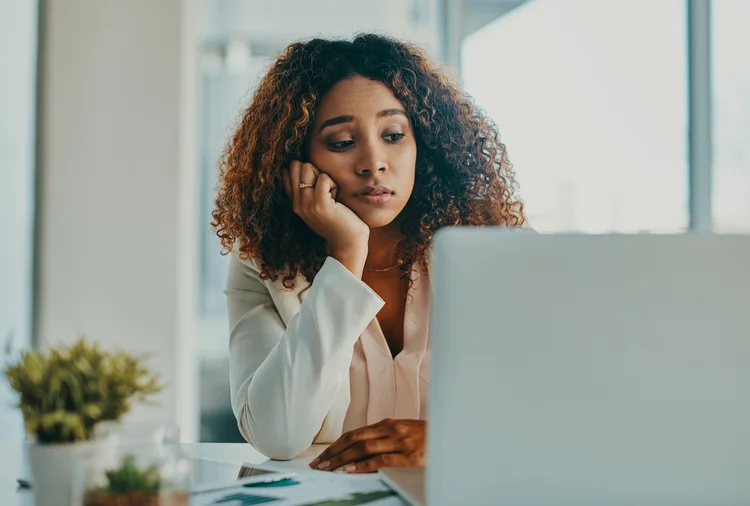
(386, 387)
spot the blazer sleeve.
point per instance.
(284, 380)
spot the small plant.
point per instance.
(127, 485)
(130, 486)
(65, 392)
(128, 478)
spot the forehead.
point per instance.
(356, 96)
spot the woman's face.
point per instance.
(364, 140)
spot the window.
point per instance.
(731, 115)
(590, 98)
(227, 81)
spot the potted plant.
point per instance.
(133, 485)
(64, 394)
(126, 485)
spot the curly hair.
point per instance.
(463, 175)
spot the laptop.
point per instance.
(587, 370)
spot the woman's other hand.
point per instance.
(313, 196)
(389, 443)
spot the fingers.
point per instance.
(323, 188)
(364, 450)
(335, 191)
(330, 186)
(373, 464)
(308, 173)
(308, 176)
(345, 441)
(301, 173)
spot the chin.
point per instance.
(378, 219)
(376, 216)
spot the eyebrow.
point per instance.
(348, 119)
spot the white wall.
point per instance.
(116, 185)
(17, 97)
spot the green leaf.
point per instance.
(65, 392)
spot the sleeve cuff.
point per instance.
(346, 295)
(334, 274)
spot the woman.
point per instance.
(349, 158)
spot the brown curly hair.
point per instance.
(463, 176)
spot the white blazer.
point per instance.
(308, 364)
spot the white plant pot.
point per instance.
(55, 467)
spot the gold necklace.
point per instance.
(385, 269)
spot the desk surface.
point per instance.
(14, 461)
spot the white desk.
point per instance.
(14, 464)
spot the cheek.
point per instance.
(334, 164)
(409, 164)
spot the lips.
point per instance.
(374, 191)
(379, 194)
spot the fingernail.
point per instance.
(350, 468)
(324, 464)
(314, 462)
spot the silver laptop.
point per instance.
(587, 370)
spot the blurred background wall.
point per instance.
(108, 154)
(18, 49)
(110, 229)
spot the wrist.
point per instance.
(352, 257)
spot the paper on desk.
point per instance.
(315, 488)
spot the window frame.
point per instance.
(699, 86)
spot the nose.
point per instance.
(372, 160)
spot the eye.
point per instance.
(340, 145)
(394, 137)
